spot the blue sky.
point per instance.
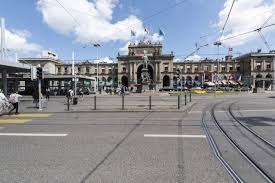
(35, 25)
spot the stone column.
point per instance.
(158, 77)
(4, 82)
(130, 72)
(133, 71)
(273, 76)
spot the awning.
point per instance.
(240, 83)
(209, 83)
(233, 82)
(224, 82)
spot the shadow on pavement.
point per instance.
(257, 120)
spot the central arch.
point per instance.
(139, 71)
(166, 81)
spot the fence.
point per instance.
(131, 102)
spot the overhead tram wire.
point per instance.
(248, 32)
(228, 16)
(68, 13)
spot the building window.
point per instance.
(230, 68)
(166, 68)
(124, 69)
(258, 66)
(110, 71)
(79, 70)
(58, 70)
(196, 69)
(66, 70)
(238, 68)
(223, 69)
(189, 69)
(174, 69)
(87, 70)
(215, 68)
(268, 66)
(95, 71)
(103, 71)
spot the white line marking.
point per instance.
(34, 134)
(167, 135)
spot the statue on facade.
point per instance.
(145, 60)
(145, 73)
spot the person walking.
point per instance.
(14, 100)
(4, 102)
(48, 94)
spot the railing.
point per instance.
(130, 103)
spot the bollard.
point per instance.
(68, 104)
(190, 97)
(185, 96)
(94, 102)
(150, 102)
(178, 101)
(122, 102)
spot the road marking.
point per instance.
(168, 135)
(34, 134)
(14, 121)
(32, 115)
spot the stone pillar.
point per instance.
(273, 76)
(171, 82)
(158, 77)
(133, 71)
(4, 82)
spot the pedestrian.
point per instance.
(48, 94)
(35, 96)
(70, 94)
(4, 103)
(14, 100)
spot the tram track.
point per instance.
(252, 161)
(264, 140)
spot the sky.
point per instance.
(64, 26)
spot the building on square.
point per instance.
(252, 70)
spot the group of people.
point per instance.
(13, 100)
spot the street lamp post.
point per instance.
(97, 46)
(218, 44)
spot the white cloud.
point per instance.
(94, 20)
(104, 60)
(194, 58)
(246, 15)
(16, 40)
(124, 50)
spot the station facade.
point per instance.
(252, 70)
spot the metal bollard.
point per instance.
(150, 102)
(185, 96)
(68, 104)
(122, 102)
(94, 102)
(190, 97)
(178, 101)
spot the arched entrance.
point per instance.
(124, 81)
(166, 81)
(268, 82)
(150, 70)
(259, 83)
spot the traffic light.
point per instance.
(39, 72)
